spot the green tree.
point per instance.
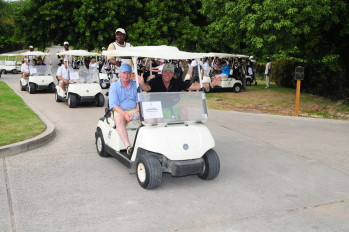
(175, 23)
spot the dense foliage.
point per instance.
(314, 32)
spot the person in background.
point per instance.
(224, 69)
(93, 64)
(66, 48)
(267, 72)
(120, 43)
(25, 69)
(251, 69)
(32, 59)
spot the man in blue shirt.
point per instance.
(225, 69)
(124, 103)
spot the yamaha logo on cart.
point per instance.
(109, 134)
(185, 146)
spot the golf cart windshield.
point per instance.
(88, 76)
(40, 70)
(172, 107)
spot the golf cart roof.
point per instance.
(10, 54)
(78, 53)
(34, 53)
(224, 55)
(160, 52)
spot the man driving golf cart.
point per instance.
(63, 74)
(123, 103)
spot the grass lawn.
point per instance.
(277, 100)
(17, 121)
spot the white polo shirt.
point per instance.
(65, 72)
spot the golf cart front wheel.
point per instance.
(207, 90)
(248, 82)
(149, 172)
(99, 100)
(52, 88)
(100, 145)
(212, 165)
(72, 99)
(14, 71)
(31, 88)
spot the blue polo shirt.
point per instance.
(226, 70)
(125, 98)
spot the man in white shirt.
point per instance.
(120, 43)
(25, 69)
(63, 74)
(93, 64)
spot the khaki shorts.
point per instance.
(131, 111)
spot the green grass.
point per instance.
(277, 100)
(17, 121)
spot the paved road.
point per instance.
(277, 174)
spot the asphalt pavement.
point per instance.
(277, 174)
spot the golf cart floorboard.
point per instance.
(120, 155)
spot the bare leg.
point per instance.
(121, 129)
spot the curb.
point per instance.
(32, 143)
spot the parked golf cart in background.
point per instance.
(84, 85)
(108, 75)
(40, 76)
(10, 64)
(171, 138)
(229, 83)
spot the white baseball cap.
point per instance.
(120, 30)
(251, 57)
(66, 42)
(31, 46)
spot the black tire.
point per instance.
(212, 165)
(100, 145)
(14, 71)
(31, 88)
(237, 88)
(207, 90)
(99, 100)
(21, 87)
(103, 84)
(72, 100)
(248, 82)
(52, 88)
(57, 98)
(149, 172)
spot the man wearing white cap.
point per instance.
(66, 48)
(31, 59)
(120, 43)
(25, 69)
(63, 74)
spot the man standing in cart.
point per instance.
(120, 43)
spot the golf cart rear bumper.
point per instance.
(185, 167)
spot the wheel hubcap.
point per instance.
(141, 172)
(99, 144)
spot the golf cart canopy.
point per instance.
(160, 52)
(35, 53)
(223, 55)
(9, 54)
(78, 53)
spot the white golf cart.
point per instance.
(107, 76)
(226, 83)
(171, 136)
(84, 85)
(10, 64)
(40, 76)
